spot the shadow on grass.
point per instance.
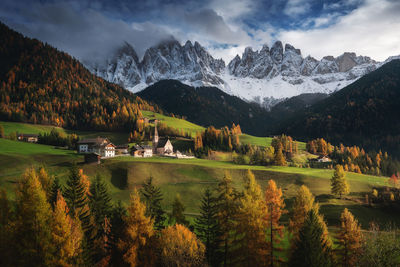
(119, 178)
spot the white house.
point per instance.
(101, 146)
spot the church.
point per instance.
(161, 146)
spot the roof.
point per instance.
(28, 135)
(162, 142)
(141, 148)
(97, 140)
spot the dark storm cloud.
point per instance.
(85, 33)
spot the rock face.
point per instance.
(168, 60)
(264, 76)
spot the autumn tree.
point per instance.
(207, 227)
(153, 198)
(180, 247)
(251, 224)
(7, 251)
(66, 234)
(227, 207)
(134, 244)
(339, 185)
(46, 181)
(311, 248)
(275, 205)
(350, 239)
(33, 221)
(279, 158)
(117, 232)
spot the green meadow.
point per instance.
(190, 177)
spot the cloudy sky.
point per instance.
(92, 29)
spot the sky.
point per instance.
(92, 29)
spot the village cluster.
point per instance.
(98, 148)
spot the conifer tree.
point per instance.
(33, 222)
(304, 202)
(251, 225)
(134, 244)
(55, 189)
(207, 227)
(339, 185)
(311, 249)
(177, 215)
(66, 235)
(152, 198)
(279, 158)
(117, 231)
(350, 238)
(227, 207)
(275, 205)
(178, 246)
(75, 194)
(100, 209)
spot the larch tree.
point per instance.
(279, 158)
(276, 207)
(303, 203)
(207, 227)
(7, 253)
(227, 207)
(134, 244)
(177, 215)
(46, 181)
(311, 248)
(153, 198)
(178, 246)
(33, 222)
(251, 224)
(339, 185)
(350, 239)
(66, 234)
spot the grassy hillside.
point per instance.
(189, 177)
(12, 127)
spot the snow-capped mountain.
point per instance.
(264, 76)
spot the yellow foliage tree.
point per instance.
(275, 205)
(139, 230)
(251, 225)
(350, 239)
(66, 235)
(180, 247)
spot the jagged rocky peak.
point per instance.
(127, 49)
(277, 51)
(289, 47)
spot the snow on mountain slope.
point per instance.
(264, 76)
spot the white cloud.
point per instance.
(295, 8)
(371, 30)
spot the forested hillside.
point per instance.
(40, 84)
(208, 106)
(365, 113)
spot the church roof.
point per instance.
(162, 142)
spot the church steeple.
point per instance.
(155, 137)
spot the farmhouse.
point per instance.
(324, 159)
(142, 151)
(101, 146)
(31, 138)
